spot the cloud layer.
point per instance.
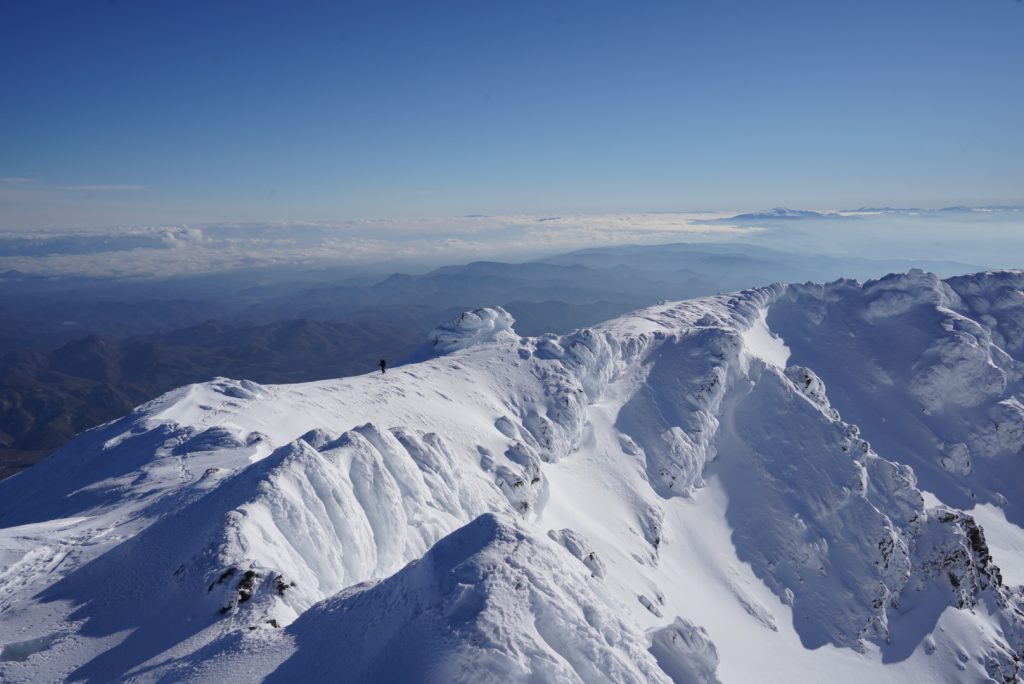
(157, 251)
(991, 237)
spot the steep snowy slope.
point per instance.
(932, 376)
(779, 485)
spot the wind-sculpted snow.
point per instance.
(472, 327)
(685, 653)
(808, 480)
(954, 559)
(359, 507)
(996, 300)
(488, 603)
(674, 418)
(929, 385)
(735, 488)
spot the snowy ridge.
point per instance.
(653, 499)
(509, 608)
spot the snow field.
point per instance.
(721, 489)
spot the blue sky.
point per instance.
(156, 111)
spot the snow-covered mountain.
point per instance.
(793, 483)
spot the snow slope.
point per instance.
(784, 484)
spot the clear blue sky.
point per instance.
(161, 110)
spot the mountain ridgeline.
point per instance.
(789, 483)
(77, 352)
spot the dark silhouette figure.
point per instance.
(383, 365)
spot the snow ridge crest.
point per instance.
(525, 507)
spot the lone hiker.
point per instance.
(383, 365)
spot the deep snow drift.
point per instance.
(791, 483)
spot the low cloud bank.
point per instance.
(155, 251)
(988, 236)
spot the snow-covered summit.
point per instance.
(786, 213)
(791, 483)
(489, 324)
(489, 602)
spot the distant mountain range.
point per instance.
(83, 351)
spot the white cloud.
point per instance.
(142, 251)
